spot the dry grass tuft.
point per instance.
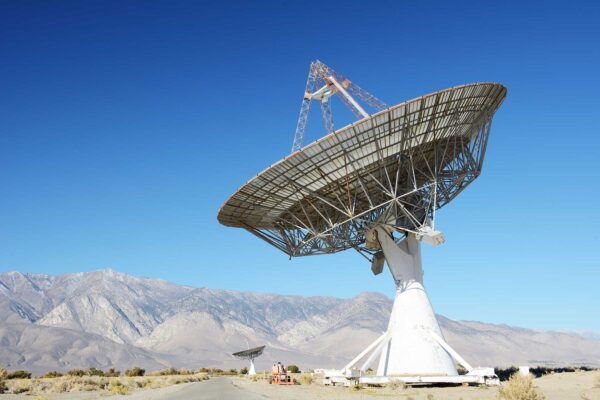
(306, 379)
(18, 386)
(118, 389)
(3, 375)
(519, 387)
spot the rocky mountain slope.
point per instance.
(105, 319)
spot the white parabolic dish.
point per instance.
(319, 199)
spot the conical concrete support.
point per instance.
(411, 348)
(252, 370)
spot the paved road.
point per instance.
(216, 388)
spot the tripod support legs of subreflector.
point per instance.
(413, 344)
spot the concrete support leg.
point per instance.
(411, 349)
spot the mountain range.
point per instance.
(109, 319)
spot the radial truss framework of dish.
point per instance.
(395, 168)
(250, 353)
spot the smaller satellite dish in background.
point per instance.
(250, 354)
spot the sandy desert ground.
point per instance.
(567, 386)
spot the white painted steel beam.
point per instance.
(347, 96)
(452, 352)
(366, 351)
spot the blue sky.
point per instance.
(125, 125)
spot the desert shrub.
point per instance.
(52, 374)
(90, 381)
(135, 371)
(155, 384)
(20, 386)
(94, 372)
(141, 383)
(112, 373)
(40, 385)
(306, 379)
(293, 369)
(3, 375)
(219, 371)
(76, 372)
(118, 388)
(183, 371)
(505, 373)
(519, 387)
(20, 374)
(244, 371)
(103, 383)
(541, 371)
(174, 381)
(170, 371)
(60, 385)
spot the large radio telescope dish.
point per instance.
(250, 355)
(404, 162)
(353, 189)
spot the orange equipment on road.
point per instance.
(280, 376)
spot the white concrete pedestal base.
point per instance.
(413, 349)
(252, 370)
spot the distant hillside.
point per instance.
(110, 319)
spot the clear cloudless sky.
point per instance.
(124, 125)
